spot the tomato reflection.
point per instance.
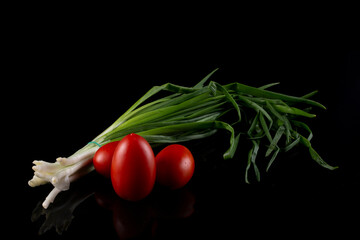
(135, 219)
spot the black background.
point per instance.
(69, 81)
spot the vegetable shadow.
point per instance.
(130, 219)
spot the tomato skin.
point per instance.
(175, 166)
(133, 170)
(103, 158)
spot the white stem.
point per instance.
(46, 167)
(62, 172)
(50, 198)
(52, 195)
(61, 179)
(36, 181)
(78, 156)
(81, 173)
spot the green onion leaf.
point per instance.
(272, 159)
(275, 140)
(229, 98)
(293, 110)
(251, 161)
(314, 155)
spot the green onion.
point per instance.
(190, 113)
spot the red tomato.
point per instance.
(133, 170)
(174, 166)
(103, 158)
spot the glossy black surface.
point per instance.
(75, 90)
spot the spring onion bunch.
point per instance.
(264, 117)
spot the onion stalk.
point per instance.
(191, 113)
